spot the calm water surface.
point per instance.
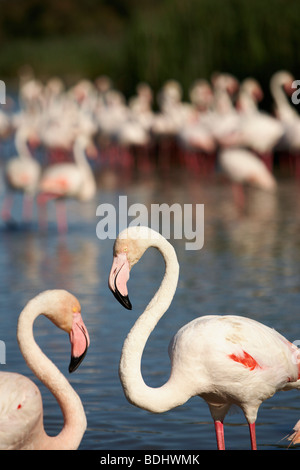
(249, 265)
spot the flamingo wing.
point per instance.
(23, 175)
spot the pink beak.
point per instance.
(80, 341)
(118, 277)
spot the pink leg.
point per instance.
(220, 435)
(252, 436)
(42, 201)
(7, 207)
(61, 216)
(239, 195)
(42, 216)
(27, 208)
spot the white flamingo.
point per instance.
(21, 416)
(258, 130)
(21, 173)
(281, 88)
(226, 360)
(223, 119)
(243, 167)
(69, 180)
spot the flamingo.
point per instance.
(69, 180)
(223, 119)
(244, 167)
(226, 360)
(258, 130)
(21, 417)
(196, 141)
(281, 86)
(22, 173)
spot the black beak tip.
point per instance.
(123, 299)
(76, 361)
(126, 302)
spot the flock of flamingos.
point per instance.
(247, 362)
(220, 127)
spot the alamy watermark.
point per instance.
(2, 352)
(2, 92)
(296, 94)
(180, 221)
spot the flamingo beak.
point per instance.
(118, 277)
(80, 342)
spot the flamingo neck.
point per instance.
(79, 155)
(247, 104)
(283, 107)
(137, 392)
(44, 369)
(89, 187)
(22, 145)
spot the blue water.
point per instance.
(249, 265)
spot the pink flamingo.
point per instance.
(68, 180)
(226, 360)
(22, 174)
(243, 167)
(21, 420)
(281, 88)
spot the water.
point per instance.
(249, 266)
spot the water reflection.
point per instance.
(249, 265)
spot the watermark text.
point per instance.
(2, 92)
(2, 352)
(296, 94)
(180, 221)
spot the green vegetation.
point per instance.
(153, 40)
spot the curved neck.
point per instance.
(246, 103)
(283, 107)
(44, 369)
(79, 155)
(88, 188)
(137, 392)
(21, 144)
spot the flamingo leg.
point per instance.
(7, 207)
(27, 207)
(43, 217)
(60, 208)
(219, 428)
(61, 216)
(238, 195)
(252, 436)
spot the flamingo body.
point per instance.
(68, 180)
(21, 413)
(242, 166)
(62, 180)
(71, 179)
(245, 364)
(23, 174)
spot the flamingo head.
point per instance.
(285, 80)
(129, 247)
(64, 310)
